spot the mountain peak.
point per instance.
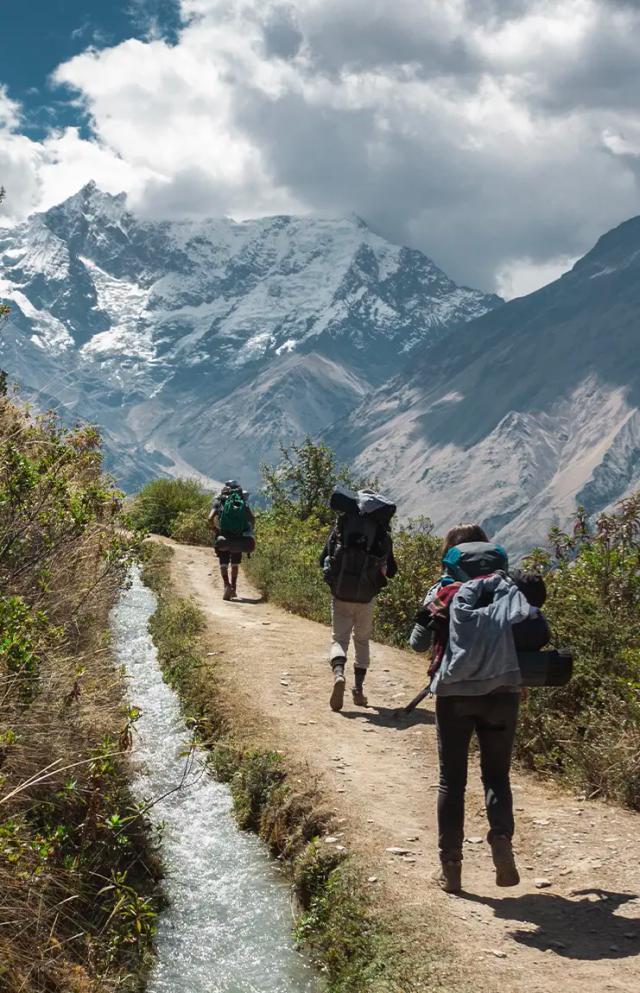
(91, 195)
(617, 249)
(284, 322)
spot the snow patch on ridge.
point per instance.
(125, 304)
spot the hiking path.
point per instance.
(573, 923)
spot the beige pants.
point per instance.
(348, 619)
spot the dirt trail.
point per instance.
(580, 933)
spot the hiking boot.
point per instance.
(228, 592)
(506, 870)
(234, 593)
(337, 693)
(449, 877)
(359, 698)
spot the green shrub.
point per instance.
(417, 553)
(174, 626)
(589, 731)
(285, 565)
(191, 527)
(159, 504)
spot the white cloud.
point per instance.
(522, 276)
(499, 136)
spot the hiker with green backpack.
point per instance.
(357, 562)
(232, 522)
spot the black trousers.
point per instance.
(494, 719)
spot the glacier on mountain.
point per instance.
(200, 346)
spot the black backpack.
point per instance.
(358, 551)
(359, 546)
(365, 502)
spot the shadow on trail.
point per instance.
(248, 599)
(585, 929)
(388, 717)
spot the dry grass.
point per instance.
(75, 876)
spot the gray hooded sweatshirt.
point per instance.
(481, 656)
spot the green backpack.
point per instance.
(233, 518)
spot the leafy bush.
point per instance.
(589, 731)
(417, 553)
(174, 626)
(285, 565)
(161, 504)
(191, 527)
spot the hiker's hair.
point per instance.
(461, 533)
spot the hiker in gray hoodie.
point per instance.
(476, 680)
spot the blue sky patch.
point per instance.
(44, 33)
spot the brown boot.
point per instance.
(228, 592)
(506, 870)
(449, 877)
(234, 581)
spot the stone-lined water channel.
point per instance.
(227, 928)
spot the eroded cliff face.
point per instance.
(522, 414)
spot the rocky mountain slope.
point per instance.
(522, 414)
(198, 346)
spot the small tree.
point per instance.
(302, 482)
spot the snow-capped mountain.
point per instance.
(198, 346)
(524, 413)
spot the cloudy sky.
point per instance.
(502, 137)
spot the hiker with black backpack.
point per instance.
(467, 620)
(232, 522)
(357, 562)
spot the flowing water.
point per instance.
(228, 925)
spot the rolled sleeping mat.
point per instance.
(364, 503)
(545, 668)
(239, 543)
(344, 501)
(375, 506)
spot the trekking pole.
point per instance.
(411, 706)
(422, 695)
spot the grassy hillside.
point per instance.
(77, 876)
